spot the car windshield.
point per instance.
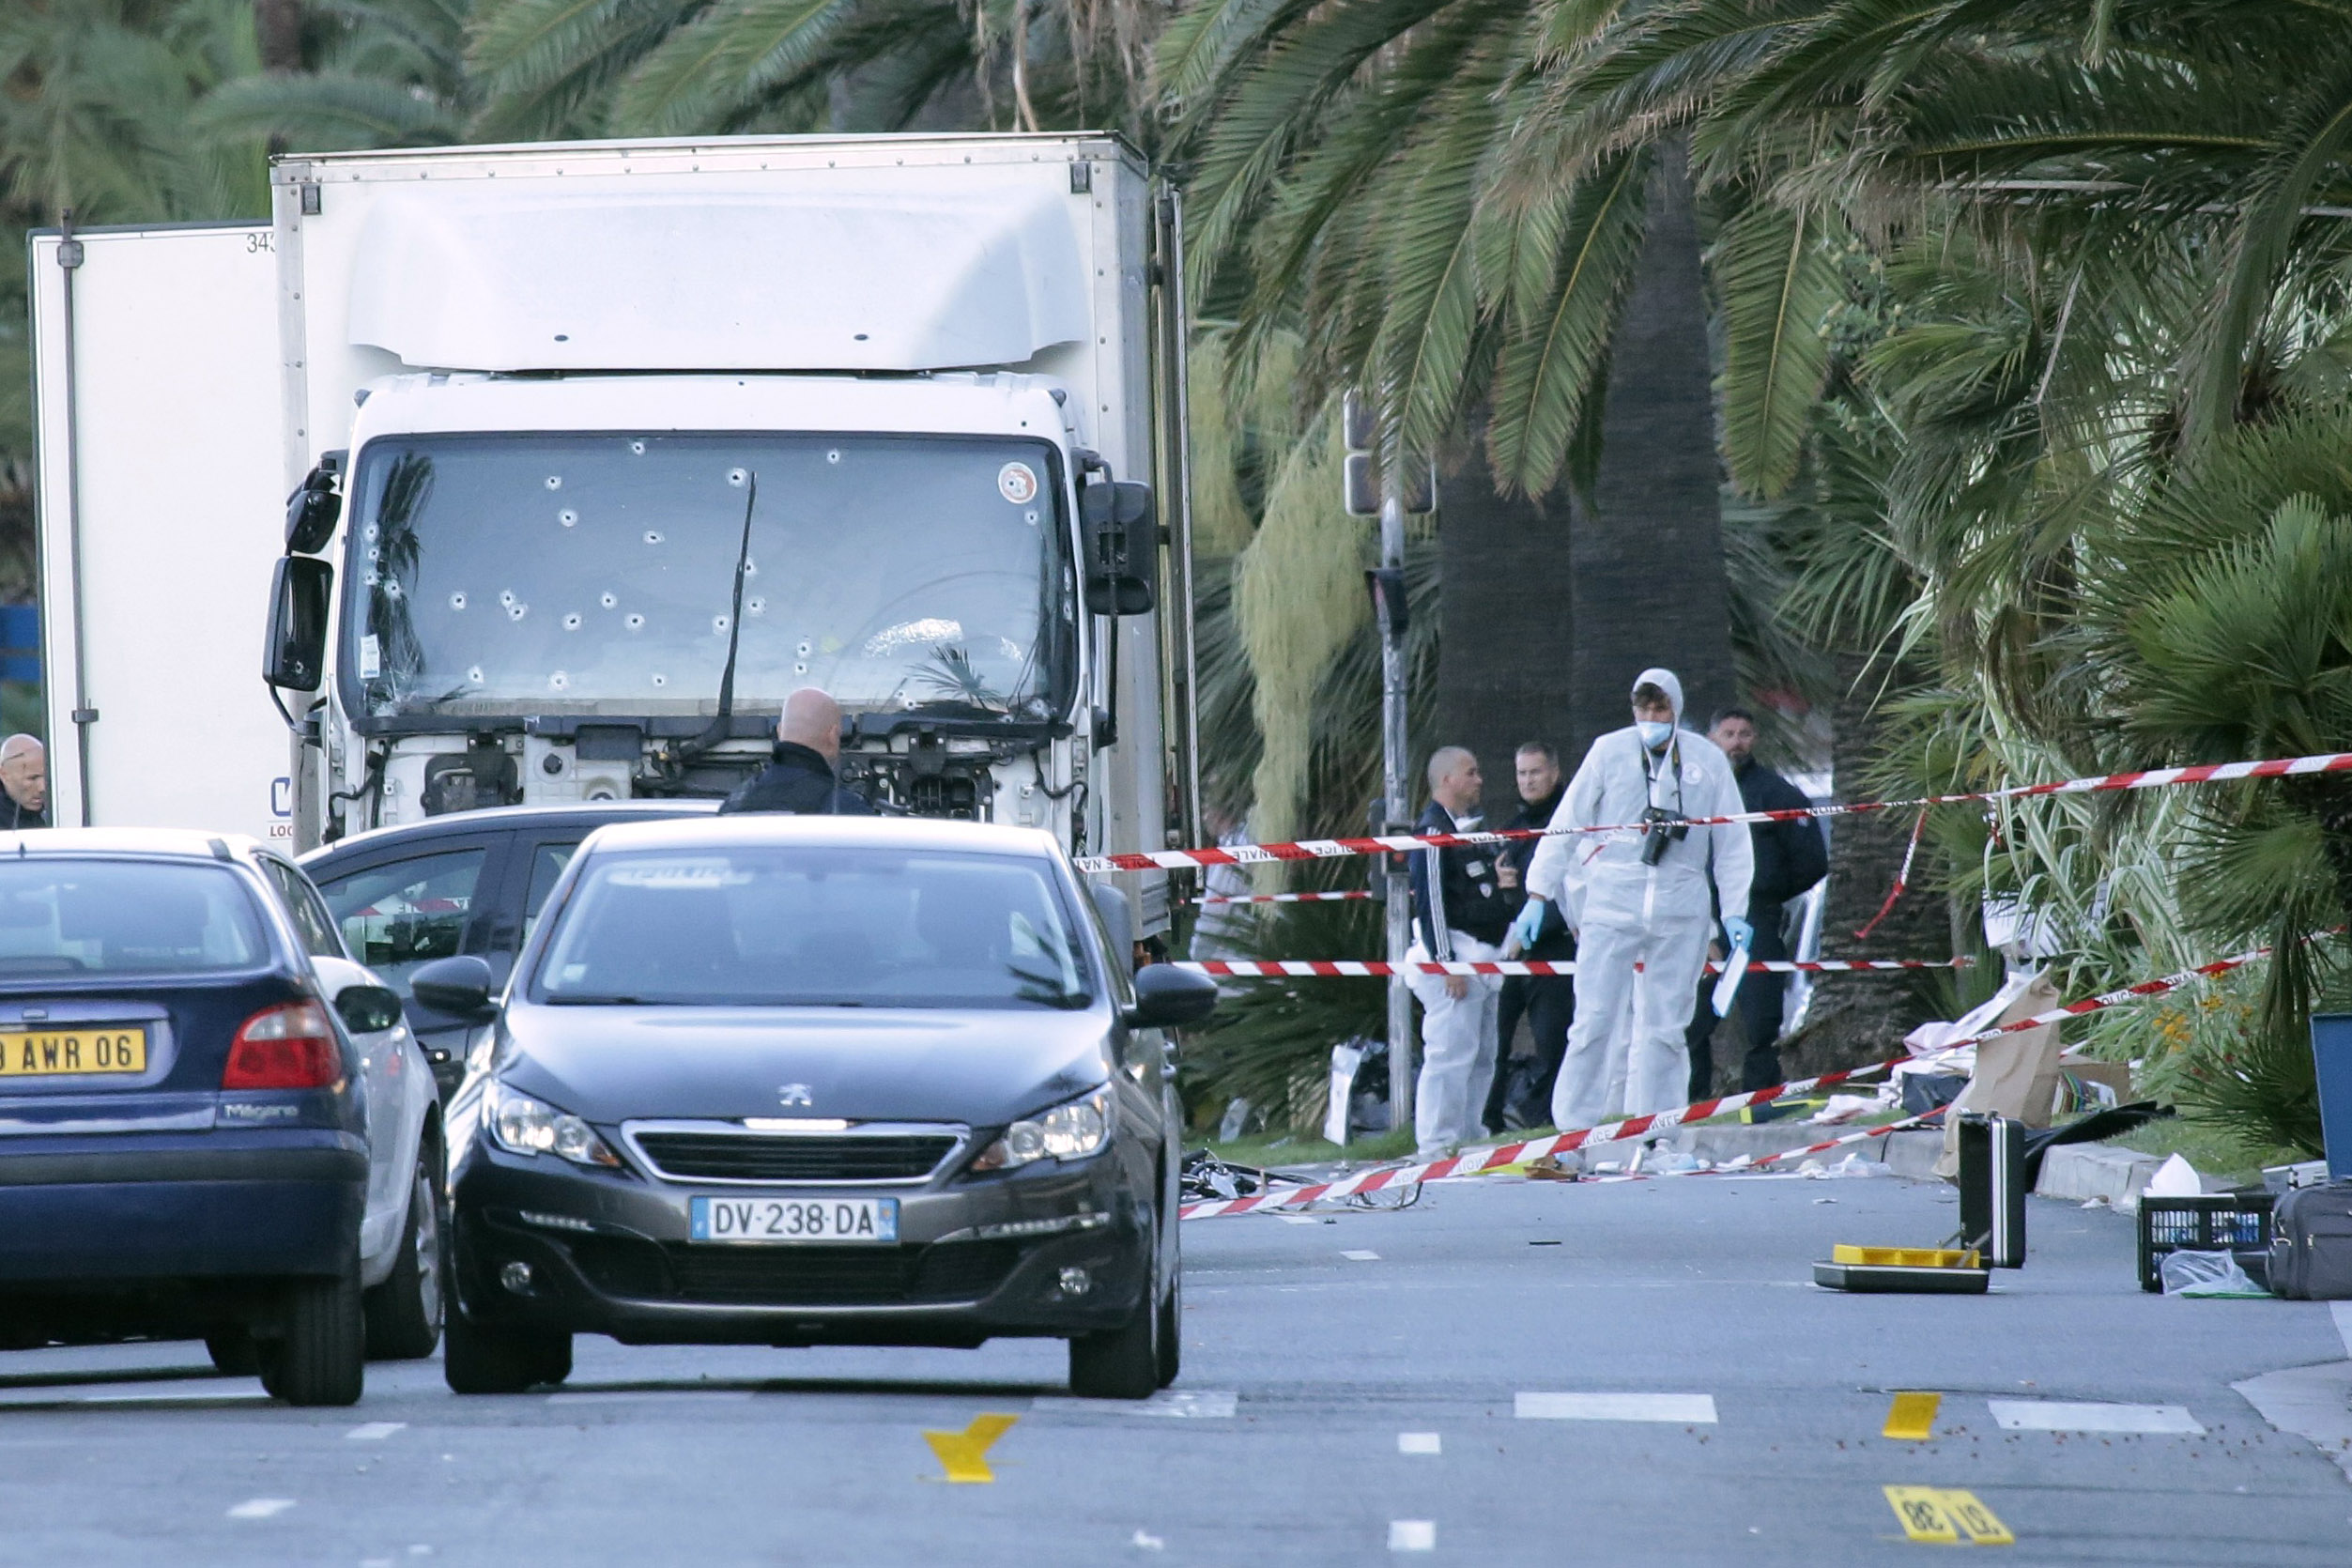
(595, 574)
(788, 926)
(64, 918)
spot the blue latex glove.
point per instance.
(1739, 933)
(1529, 925)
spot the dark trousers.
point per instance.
(1759, 1005)
(1548, 1002)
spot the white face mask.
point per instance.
(1654, 731)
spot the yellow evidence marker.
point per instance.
(962, 1454)
(1940, 1516)
(1912, 1418)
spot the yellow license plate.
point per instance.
(57, 1052)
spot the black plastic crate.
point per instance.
(2234, 1223)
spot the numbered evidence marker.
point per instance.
(1941, 1516)
(961, 1454)
(1912, 1418)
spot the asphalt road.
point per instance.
(1353, 1390)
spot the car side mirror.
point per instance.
(294, 657)
(1119, 919)
(1122, 548)
(1167, 997)
(459, 987)
(368, 1009)
(313, 511)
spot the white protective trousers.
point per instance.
(1647, 1053)
(1458, 1047)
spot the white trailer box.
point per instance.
(897, 397)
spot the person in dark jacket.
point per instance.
(1790, 858)
(23, 783)
(1547, 1002)
(1458, 914)
(799, 776)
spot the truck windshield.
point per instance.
(594, 573)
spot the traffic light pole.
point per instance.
(1396, 806)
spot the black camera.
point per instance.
(1659, 828)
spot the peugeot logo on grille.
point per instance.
(795, 1093)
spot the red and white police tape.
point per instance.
(1473, 1161)
(1320, 849)
(1351, 968)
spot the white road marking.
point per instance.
(1297, 1219)
(1418, 1442)
(2342, 1311)
(375, 1431)
(1213, 1405)
(1412, 1535)
(2053, 1415)
(261, 1508)
(2313, 1402)
(1361, 1256)
(1689, 1408)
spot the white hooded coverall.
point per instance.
(1626, 914)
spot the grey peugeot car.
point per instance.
(804, 1080)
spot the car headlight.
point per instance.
(527, 1125)
(1069, 1131)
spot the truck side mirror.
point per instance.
(294, 657)
(1122, 548)
(313, 511)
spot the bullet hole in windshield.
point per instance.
(804, 649)
(653, 536)
(756, 607)
(555, 482)
(608, 600)
(375, 554)
(638, 447)
(517, 611)
(633, 621)
(736, 477)
(559, 680)
(1030, 517)
(392, 588)
(661, 680)
(718, 624)
(800, 667)
(457, 601)
(474, 675)
(368, 533)
(570, 518)
(572, 622)
(834, 456)
(371, 578)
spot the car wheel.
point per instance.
(321, 1358)
(403, 1314)
(1121, 1362)
(478, 1357)
(1172, 1331)
(234, 1352)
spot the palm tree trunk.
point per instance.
(1552, 605)
(278, 31)
(1646, 572)
(1863, 1018)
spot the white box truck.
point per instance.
(598, 451)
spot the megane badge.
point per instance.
(795, 1093)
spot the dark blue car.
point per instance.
(212, 1122)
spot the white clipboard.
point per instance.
(1727, 983)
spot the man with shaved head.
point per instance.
(799, 776)
(1459, 912)
(23, 783)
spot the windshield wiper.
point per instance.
(719, 721)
